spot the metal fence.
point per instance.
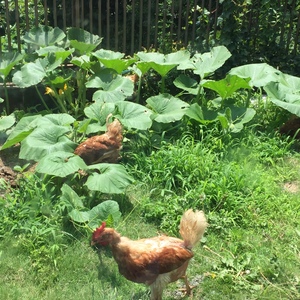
(130, 25)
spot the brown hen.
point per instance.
(155, 261)
(102, 148)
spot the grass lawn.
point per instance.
(250, 192)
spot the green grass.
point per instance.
(251, 249)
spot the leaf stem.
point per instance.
(41, 98)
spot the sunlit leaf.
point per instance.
(259, 74)
(79, 216)
(45, 140)
(207, 63)
(30, 74)
(113, 178)
(167, 108)
(60, 164)
(71, 197)
(133, 115)
(227, 86)
(60, 119)
(6, 122)
(44, 36)
(163, 63)
(82, 40)
(113, 60)
(99, 111)
(201, 115)
(284, 97)
(187, 83)
(104, 211)
(22, 129)
(8, 61)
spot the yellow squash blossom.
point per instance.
(49, 91)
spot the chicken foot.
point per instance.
(188, 288)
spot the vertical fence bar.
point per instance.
(297, 35)
(54, 13)
(107, 24)
(149, 24)
(17, 24)
(256, 25)
(82, 15)
(179, 22)
(46, 12)
(194, 24)
(116, 25)
(164, 23)
(156, 25)
(187, 14)
(124, 25)
(141, 26)
(7, 25)
(91, 15)
(64, 15)
(77, 14)
(26, 15)
(216, 19)
(132, 27)
(172, 21)
(36, 13)
(208, 24)
(283, 26)
(99, 18)
(289, 36)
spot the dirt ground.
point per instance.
(9, 158)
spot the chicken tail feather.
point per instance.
(192, 227)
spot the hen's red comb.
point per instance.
(98, 231)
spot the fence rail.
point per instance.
(130, 25)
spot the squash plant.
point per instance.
(50, 139)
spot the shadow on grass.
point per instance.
(108, 273)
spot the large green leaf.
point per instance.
(161, 63)
(133, 115)
(113, 87)
(104, 211)
(60, 53)
(201, 115)
(30, 74)
(227, 86)
(113, 60)
(8, 61)
(59, 119)
(207, 63)
(187, 83)
(60, 164)
(142, 66)
(113, 178)
(234, 118)
(44, 36)
(284, 97)
(45, 140)
(260, 74)
(292, 83)
(83, 62)
(82, 40)
(99, 111)
(23, 128)
(6, 122)
(79, 216)
(70, 197)
(167, 108)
